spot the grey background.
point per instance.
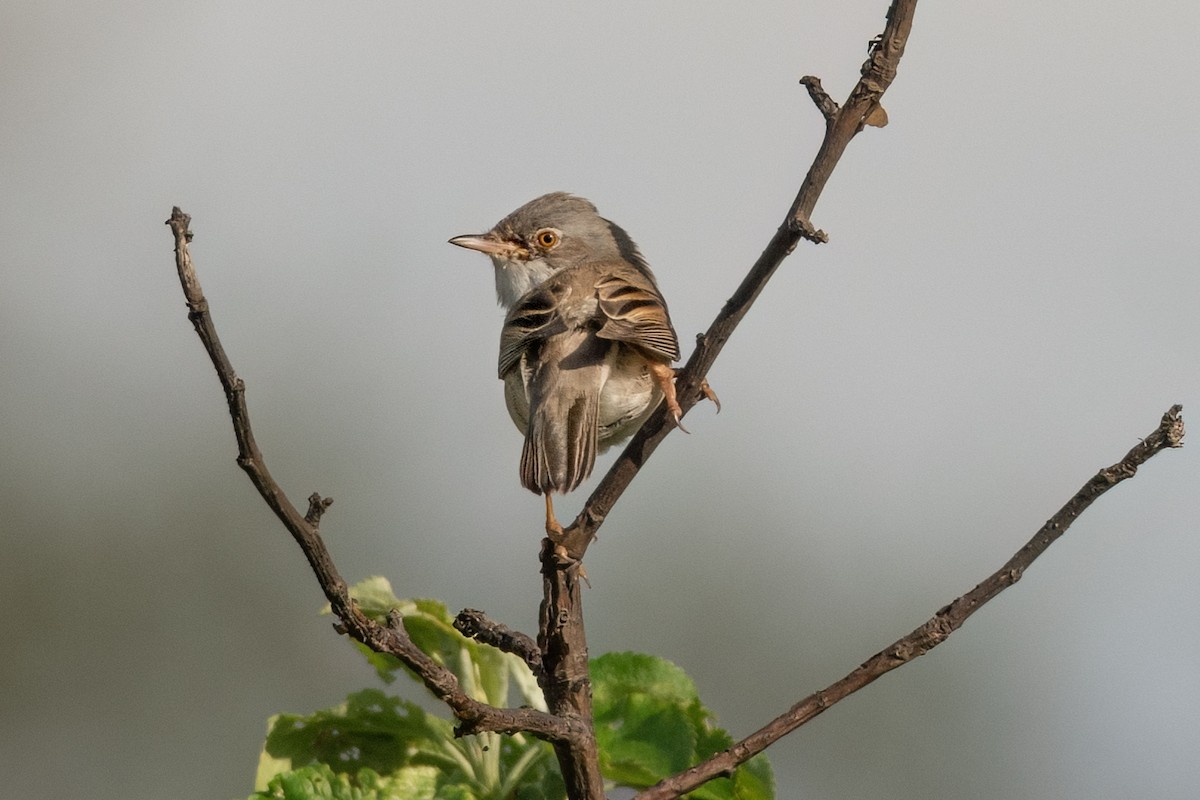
(1007, 302)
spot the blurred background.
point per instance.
(1007, 302)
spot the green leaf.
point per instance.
(616, 675)
(643, 727)
(319, 782)
(373, 739)
(483, 671)
(650, 724)
(376, 599)
(370, 730)
(649, 721)
(384, 734)
(754, 780)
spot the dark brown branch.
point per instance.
(808, 231)
(317, 506)
(473, 716)
(947, 620)
(564, 678)
(478, 626)
(877, 75)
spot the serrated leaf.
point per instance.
(650, 744)
(644, 714)
(650, 724)
(615, 675)
(319, 782)
(370, 730)
(377, 732)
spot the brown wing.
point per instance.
(566, 337)
(565, 364)
(635, 313)
(531, 320)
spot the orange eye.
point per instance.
(547, 238)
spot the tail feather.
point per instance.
(560, 439)
(560, 445)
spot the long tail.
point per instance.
(560, 440)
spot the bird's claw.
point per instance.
(707, 391)
(573, 566)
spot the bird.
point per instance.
(587, 342)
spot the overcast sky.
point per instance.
(1008, 300)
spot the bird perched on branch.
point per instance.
(587, 343)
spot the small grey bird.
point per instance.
(587, 343)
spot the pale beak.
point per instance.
(488, 243)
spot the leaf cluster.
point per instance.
(649, 724)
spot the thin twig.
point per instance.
(317, 506)
(477, 625)
(1168, 434)
(821, 99)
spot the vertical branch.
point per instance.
(564, 648)
(564, 678)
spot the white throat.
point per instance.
(515, 278)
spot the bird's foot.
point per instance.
(572, 565)
(676, 413)
(556, 534)
(664, 379)
(706, 391)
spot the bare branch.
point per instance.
(473, 716)
(807, 230)
(877, 75)
(478, 626)
(564, 678)
(1168, 434)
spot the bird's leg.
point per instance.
(553, 529)
(664, 379)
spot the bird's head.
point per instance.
(556, 231)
